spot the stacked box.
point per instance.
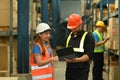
(4, 63)
(116, 4)
(111, 7)
(5, 13)
(5, 56)
(104, 14)
(113, 34)
(96, 12)
(114, 72)
(113, 29)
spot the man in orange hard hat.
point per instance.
(98, 56)
(83, 45)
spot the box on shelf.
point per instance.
(109, 44)
(111, 7)
(113, 31)
(113, 21)
(115, 45)
(4, 4)
(4, 63)
(5, 13)
(116, 4)
(5, 17)
(114, 73)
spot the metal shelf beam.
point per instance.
(7, 33)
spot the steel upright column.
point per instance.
(44, 11)
(23, 36)
(101, 8)
(11, 36)
(54, 22)
(119, 33)
(56, 39)
(58, 27)
(108, 50)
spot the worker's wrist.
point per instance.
(78, 59)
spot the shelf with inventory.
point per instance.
(113, 14)
(7, 33)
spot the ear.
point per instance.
(40, 35)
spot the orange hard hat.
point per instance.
(74, 21)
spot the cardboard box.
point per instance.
(111, 7)
(5, 13)
(116, 4)
(114, 72)
(109, 44)
(4, 4)
(5, 17)
(113, 31)
(115, 45)
(4, 63)
(113, 21)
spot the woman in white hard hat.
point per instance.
(42, 56)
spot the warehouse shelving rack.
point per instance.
(101, 4)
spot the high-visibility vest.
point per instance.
(41, 72)
(99, 48)
(80, 48)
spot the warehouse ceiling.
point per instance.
(70, 6)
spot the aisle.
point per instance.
(59, 68)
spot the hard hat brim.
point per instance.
(75, 26)
(48, 30)
(45, 31)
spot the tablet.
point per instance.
(66, 52)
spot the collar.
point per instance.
(80, 33)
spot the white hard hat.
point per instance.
(42, 27)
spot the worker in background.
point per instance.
(42, 58)
(98, 56)
(83, 44)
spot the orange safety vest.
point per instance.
(41, 72)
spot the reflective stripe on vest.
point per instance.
(40, 67)
(42, 77)
(80, 49)
(41, 72)
(99, 48)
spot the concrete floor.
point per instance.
(59, 68)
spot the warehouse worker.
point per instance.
(83, 45)
(98, 56)
(41, 58)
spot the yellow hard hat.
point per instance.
(101, 24)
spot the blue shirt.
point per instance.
(36, 50)
(95, 37)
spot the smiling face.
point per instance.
(45, 36)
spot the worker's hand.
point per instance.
(74, 60)
(55, 58)
(107, 39)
